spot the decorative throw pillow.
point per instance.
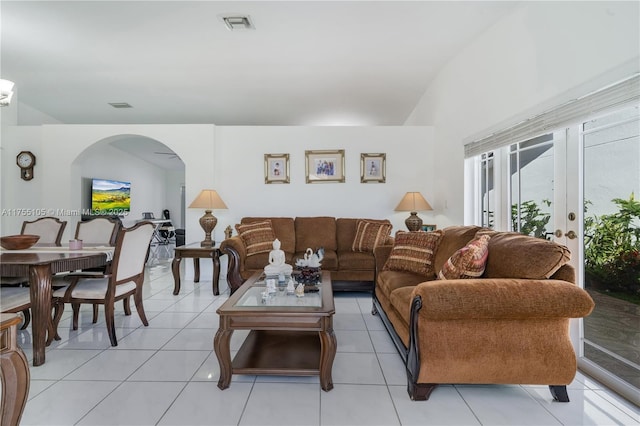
(469, 261)
(257, 236)
(414, 252)
(369, 235)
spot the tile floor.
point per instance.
(166, 374)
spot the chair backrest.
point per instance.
(100, 230)
(165, 214)
(130, 254)
(49, 229)
(148, 215)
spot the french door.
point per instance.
(578, 186)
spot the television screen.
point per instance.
(110, 197)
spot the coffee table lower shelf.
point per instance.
(276, 352)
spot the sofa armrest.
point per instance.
(381, 254)
(237, 253)
(501, 298)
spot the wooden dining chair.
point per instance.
(49, 229)
(16, 300)
(124, 280)
(98, 231)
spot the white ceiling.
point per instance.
(306, 62)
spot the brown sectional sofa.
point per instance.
(510, 326)
(350, 270)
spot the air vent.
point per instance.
(120, 105)
(238, 22)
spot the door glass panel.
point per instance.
(611, 149)
(487, 189)
(531, 167)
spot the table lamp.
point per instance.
(412, 202)
(208, 199)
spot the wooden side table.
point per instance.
(196, 252)
(14, 369)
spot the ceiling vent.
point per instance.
(120, 105)
(238, 22)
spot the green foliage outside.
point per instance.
(612, 250)
(533, 221)
(612, 244)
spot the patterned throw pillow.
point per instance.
(469, 261)
(369, 235)
(257, 236)
(414, 252)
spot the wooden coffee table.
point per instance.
(289, 336)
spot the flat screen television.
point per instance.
(110, 197)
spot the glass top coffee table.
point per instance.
(290, 335)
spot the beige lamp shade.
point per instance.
(208, 199)
(413, 202)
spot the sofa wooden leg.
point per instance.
(559, 393)
(374, 310)
(420, 391)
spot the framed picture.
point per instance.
(276, 168)
(429, 228)
(324, 166)
(373, 168)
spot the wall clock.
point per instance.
(26, 160)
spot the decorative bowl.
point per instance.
(18, 242)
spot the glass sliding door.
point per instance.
(611, 185)
(531, 166)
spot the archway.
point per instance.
(157, 181)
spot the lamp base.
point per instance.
(413, 222)
(208, 223)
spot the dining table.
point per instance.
(40, 263)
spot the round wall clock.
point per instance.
(26, 160)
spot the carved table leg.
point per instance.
(328, 345)
(40, 289)
(221, 345)
(196, 270)
(175, 269)
(216, 272)
(14, 369)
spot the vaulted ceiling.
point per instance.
(305, 63)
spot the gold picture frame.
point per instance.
(324, 166)
(276, 168)
(373, 168)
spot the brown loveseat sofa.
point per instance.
(508, 326)
(351, 270)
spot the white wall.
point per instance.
(228, 159)
(542, 55)
(57, 181)
(240, 172)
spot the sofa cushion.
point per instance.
(469, 261)
(346, 228)
(513, 255)
(315, 232)
(414, 252)
(257, 237)
(283, 228)
(388, 281)
(401, 300)
(369, 235)
(351, 260)
(455, 237)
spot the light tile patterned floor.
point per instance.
(166, 374)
